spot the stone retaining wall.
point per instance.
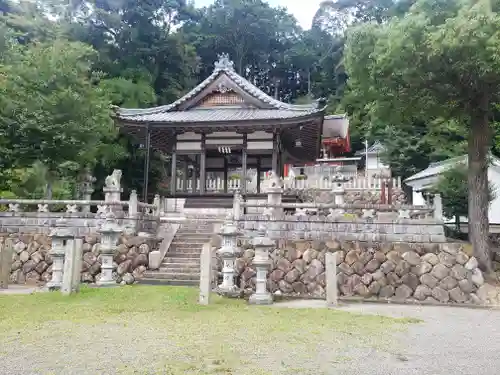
(32, 262)
(353, 196)
(433, 273)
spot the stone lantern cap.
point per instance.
(110, 225)
(229, 228)
(61, 231)
(275, 184)
(261, 240)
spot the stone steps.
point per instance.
(154, 281)
(181, 258)
(181, 265)
(172, 275)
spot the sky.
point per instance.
(303, 10)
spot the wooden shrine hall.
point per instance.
(225, 133)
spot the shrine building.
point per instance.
(226, 133)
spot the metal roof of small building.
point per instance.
(437, 168)
(375, 148)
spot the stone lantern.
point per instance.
(87, 189)
(110, 232)
(60, 235)
(274, 192)
(262, 244)
(228, 252)
(338, 191)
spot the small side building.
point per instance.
(423, 181)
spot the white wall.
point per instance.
(374, 162)
(494, 211)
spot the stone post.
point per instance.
(237, 206)
(157, 203)
(438, 207)
(72, 267)
(205, 274)
(110, 232)
(112, 190)
(5, 262)
(87, 190)
(228, 252)
(331, 279)
(262, 244)
(60, 235)
(132, 211)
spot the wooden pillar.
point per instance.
(173, 178)
(225, 174)
(203, 161)
(194, 177)
(274, 163)
(244, 164)
(146, 165)
(258, 174)
(185, 175)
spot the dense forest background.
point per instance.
(64, 62)
(422, 76)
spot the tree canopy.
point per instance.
(439, 63)
(422, 76)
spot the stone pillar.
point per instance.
(438, 207)
(87, 190)
(60, 236)
(228, 252)
(110, 232)
(205, 274)
(237, 206)
(262, 244)
(133, 211)
(72, 267)
(112, 190)
(203, 160)
(331, 279)
(5, 262)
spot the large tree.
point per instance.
(441, 61)
(50, 110)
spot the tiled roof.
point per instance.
(219, 115)
(223, 66)
(374, 148)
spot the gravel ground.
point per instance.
(240, 340)
(449, 341)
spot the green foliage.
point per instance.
(438, 64)
(453, 187)
(50, 110)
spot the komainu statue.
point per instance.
(113, 180)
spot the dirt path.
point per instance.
(449, 341)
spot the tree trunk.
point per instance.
(457, 224)
(479, 142)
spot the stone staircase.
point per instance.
(181, 265)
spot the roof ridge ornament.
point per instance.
(224, 63)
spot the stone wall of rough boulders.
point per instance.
(433, 273)
(366, 196)
(32, 262)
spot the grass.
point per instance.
(162, 330)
